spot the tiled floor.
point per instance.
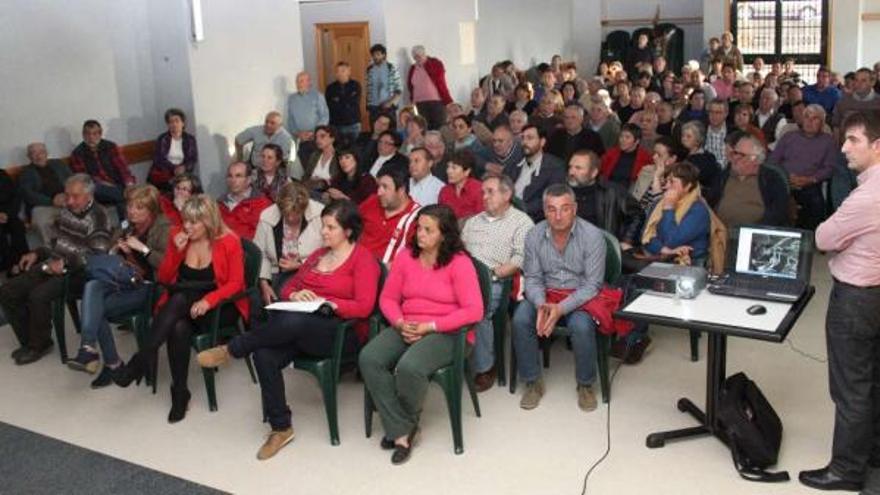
(508, 450)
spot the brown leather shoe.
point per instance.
(485, 381)
(213, 357)
(276, 440)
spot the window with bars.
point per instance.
(780, 29)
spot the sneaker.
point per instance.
(276, 440)
(532, 396)
(86, 360)
(586, 398)
(638, 350)
(214, 357)
(485, 381)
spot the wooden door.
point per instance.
(344, 42)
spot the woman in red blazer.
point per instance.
(623, 162)
(203, 266)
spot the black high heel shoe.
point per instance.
(179, 404)
(133, 371)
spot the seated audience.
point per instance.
(116, 281)
(350, 182)
(437, 148)
(82, 228)
(862, 98)
(573, 136)
(717, 129)
(563, 268)
(432, 292)
(623, 163)
(692, 139)
(175, 152)
(724, 85)
(548, 114)
(495, 113)
(648, 187)
(322, 165)
(523, 99)
(416, 128)
(387, 156)
(271, 175)
(535, 172)
(103, 161)
(743, 115)
(389, 215)
(808, 155)
(289, 232)
(767, 117)
(423, 186)
(242, 204)
(13, 241)
(203, 265)
(342, 272)
(696, 108)
(184, 186)
(462, 193)
(453, 110)
(751, 193)
(603, 121)
(495, 237)
(466, 139)
(367, 143)
(603, 203)
(517, 121)
(41, 184)
(822, 93)
(506, 150)
(259, 135)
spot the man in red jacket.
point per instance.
(426, 83)
(241, 206)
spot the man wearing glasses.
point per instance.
(751, 192)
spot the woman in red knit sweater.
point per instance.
(432, 291)
(622, 163)
(203, 265)
(344, 273)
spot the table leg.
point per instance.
(708, 421)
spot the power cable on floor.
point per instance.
(805, 354)
(607, 430)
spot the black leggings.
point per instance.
(173, 324)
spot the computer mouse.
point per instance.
(756, 309)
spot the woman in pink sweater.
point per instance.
(432, 291)
(345, 274)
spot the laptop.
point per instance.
(768, 263)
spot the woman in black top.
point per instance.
(349, 182)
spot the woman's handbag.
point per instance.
(113, 270)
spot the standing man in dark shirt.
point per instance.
(344, 101)
(574, 136)
(103, 161)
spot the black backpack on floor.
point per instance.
(752, 427)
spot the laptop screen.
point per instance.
(768, 252)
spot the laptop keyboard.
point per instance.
(757, 287)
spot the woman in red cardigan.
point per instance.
(203, 265)
(623, 162)
(464, 194)
(343, 273)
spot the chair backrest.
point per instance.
(383, 274)
(252, 260)
(484, 275)
(613, 263)
(518, 203)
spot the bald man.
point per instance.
(306, 110)
(272, 131)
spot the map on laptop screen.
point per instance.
(768, 253)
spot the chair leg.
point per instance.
(452, 390)
(73, 307)
(472, 389)
(499, 324)
(695, 346)
(368, 413)
(328, 390)
(513, 369)
(58, 323)
(545, 347)
(209, 387)
(602, 355)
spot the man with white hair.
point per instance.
(306, 110)
(808, 155)
(767, 117)
(270, 132)
(574, 136)
(751, 193)
(41, 184)
(426, 83)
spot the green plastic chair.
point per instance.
(139, 321)
(66, 300)
(220, 333)
(499, 323)
(613, 269)
(327, 370)
(450, 377)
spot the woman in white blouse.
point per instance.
(175, 152)
(322, 165)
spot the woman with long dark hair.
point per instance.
(432, 291)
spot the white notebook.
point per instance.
(297, 306)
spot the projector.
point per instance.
(685, 282)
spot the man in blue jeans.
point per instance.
(496, 238)
(563, 269)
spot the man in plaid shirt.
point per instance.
(103, 161)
